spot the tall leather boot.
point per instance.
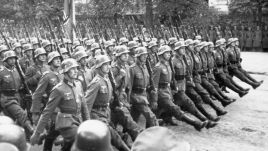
(199, 115)
(218, 110)
(198, 125)
(207, 114)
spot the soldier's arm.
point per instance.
(31, 77)
(156, 75)
(117, 76)
(92, 92)
(54, 99)
(38, 94)
(84, 109)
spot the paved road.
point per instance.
(245, 127)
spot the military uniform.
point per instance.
(139, 84)
(98, 98)
(10, 90)
(85, 75)
(68, 98)
(25, 63)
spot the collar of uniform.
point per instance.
(103, 76)
(164, 62)
(121, 64)
(140, 64)
(68, 81)
(9, 68)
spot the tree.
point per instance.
(248, 7)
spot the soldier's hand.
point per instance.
(35, 138)
(154, 105)
(35, 118)
(123, 72)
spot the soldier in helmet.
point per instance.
(18, 49)
(27, 59)
(121, 109)
(3, 49)
(220, 75)
(8, 147)
(6, 120)
(162, 76)
(47, 45)
(123, 41)
(85, 75)
(68, 98)
(197, 70)
(11, 89)
(92, 135)
(109, 47)
(152, 56)
(132, 45)
(64, 53)
(172, 41)
(99, 97)
(48, 80)
(94, 47)
(204, 76)
(190, 85)
(35, 71)
(139, 85)
(234, 60)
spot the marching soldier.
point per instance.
(152, 53)
(197, 80)
(190, 91)
(68, 98)
(99, 97)
(204, 79)
(162, 76)
(85, 75)
(221, 77)
(3, 49)
(139, 85)
(27, 60)
(11, 88)
(48, 80)
(36, 70)
(47, 45)
(64, 53)
(18, 49)
(132, 45)
(121, 110)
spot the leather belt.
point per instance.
(163, 85)
(9, 92)
(139, 90)
(179, 77)
(101, 106)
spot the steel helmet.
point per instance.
(140, 50)
(203, 44)
(163, 49)
(179, 44)
(6, 120)
(132, 44)
(39, 51)
(80, 54)
(101, 59)
(198, 37)
(46, 43)
(89, 42)
(219, 42)
(34, 40)
(189, 42)
(63, 50)
(123, 40)
(16, 45)
(52, 55)
(76, 43)
(197, 43)
(152, 43)
(230, 40)
(22, 41)
(3, 48)
(95, 46)
(80, 48)
(8, 147)
(27, 47)
(211, 44)
(121, 50)
(9, 54)
(108, 44)
(69, 63)
(92, 135)
(172, 40)
(15, 135)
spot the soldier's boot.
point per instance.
(225, 90)
(198, 125)
(207, 114)
(219, 111)
(223, 101)
(239, 86)
(256, 85)
(243, 93)
(199, 115)
(211, 124)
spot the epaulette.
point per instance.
(96, 79)
(45, 73)
(133, 65)
(157, 64)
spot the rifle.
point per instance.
(54, 37)
(27, 33)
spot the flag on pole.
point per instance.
(69, 18)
